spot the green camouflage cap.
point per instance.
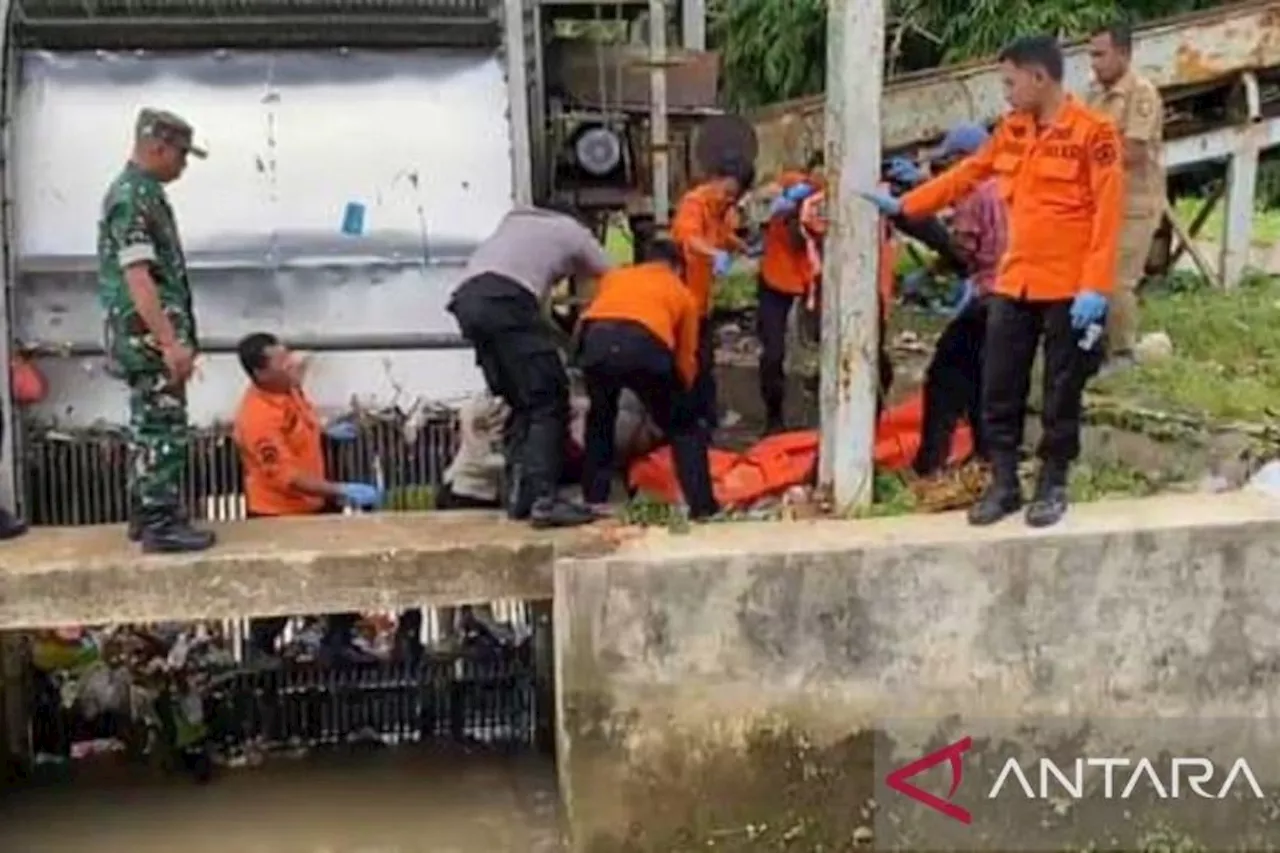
(167, 127)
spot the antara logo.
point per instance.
(1121, 779)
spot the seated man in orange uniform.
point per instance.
(280, 441)
(705, 230)
(641, 332)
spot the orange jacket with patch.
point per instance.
(1063, 188)
(279, 437)
(787, 264)
(653, 296)
(704, 212)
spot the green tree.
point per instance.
(776, 49)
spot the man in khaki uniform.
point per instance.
(1133, 102)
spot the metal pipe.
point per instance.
(850, 313)
(658, 112)
(227, 346)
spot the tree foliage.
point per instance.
(776, 49)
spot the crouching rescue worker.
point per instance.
(705, 228)
(498, 306)
(641, 333)
(979, 234)
(151, 327)
(1058, 169)
(787, 273)
(280, 442)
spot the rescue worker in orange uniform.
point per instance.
(787, 273)
(640, 332)
(1059, 170)
(705, 228)
(280, 441)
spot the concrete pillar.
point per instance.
(693, 24)
(1237, 227)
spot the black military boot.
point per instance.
(11, 527)
(1050, 501)
(166, 531)
(1002, 498)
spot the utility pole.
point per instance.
(850, 370)
(659, 149)
(693, 24)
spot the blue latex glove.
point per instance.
(913, 284)
(962, 295)
(360, 495)
(1087, 308)
(903, 171)
(342, 431)
(721, 263)
(887, 204)
(797, 193)
(780, 206)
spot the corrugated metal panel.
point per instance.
(420, 138)
(1176, 52)
(78, 24)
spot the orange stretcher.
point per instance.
(778, 462)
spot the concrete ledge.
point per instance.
(62, 576)
(723, 689)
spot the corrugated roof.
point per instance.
(71, 24)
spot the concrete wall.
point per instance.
(725, 690)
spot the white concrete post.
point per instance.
(1237, 224)
(661, 156)
(855, 70)
(514, 44)
(693, 24)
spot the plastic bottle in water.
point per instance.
(1091, 335)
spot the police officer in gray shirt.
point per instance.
(498, 306)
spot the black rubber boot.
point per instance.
(517, 501)
(553, 512)
(1050, 501)
(166, 531)
(11, 527)
(1001, 499)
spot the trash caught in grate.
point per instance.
(179, 695)
(81, 478)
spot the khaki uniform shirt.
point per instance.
(1134, 104)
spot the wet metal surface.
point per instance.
(418, 139)
(390, 801)
(921, 106)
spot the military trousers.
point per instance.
(158, 440)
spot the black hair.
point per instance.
(817, 160)
(734, 165)
(1041, 52)
(665, 251)
(252, 350)
(1121, 35)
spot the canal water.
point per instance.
(403, 800)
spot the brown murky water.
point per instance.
(388, 801)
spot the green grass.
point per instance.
(1266, 223)
(1226, 361)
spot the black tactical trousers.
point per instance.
(953, 388)
(517, 353)
(617, 355)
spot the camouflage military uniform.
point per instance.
(137, 225)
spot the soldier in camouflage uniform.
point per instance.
(151, 327)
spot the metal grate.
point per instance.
(81, 478)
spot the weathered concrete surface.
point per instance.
(63, 576)
(722, 690)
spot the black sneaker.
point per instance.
(553, 512)
(11, 527)
(1051, 499)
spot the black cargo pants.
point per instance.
(617, 355)
(953, 388)
(517, 353)
(1015, 327)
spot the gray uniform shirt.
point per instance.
(538, 248)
